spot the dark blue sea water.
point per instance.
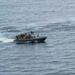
(52, 18)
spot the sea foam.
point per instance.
(5, 39)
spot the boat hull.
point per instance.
(32, 40)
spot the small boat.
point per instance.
(29, 38)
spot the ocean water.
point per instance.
(52, 18)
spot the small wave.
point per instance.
(9, 29)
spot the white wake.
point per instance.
(6, 40)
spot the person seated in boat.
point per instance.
(28, 36)
(17, 37)
(32, 34)
(25, 35)
(37, 35)
(22, 36)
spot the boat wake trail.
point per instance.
(4, 39)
